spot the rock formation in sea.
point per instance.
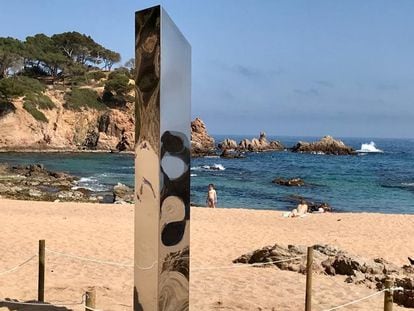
(255, 145)
(202, 143)
(327, 145)
(34, 182)
(292, 182)
(330, 260)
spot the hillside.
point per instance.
(85, 128)
(61, 93)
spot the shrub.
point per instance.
(6, 107)
(40, 101)
(20, 86)
(95, 75)
(37, 114)
(83, 98)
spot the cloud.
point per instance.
(325, 83)
(387, 87)
(249, 72)
(307, 92)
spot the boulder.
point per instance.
(228, 144)
(202, 143)
(293, 182)
(123, 194)
(327, 145)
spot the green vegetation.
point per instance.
(66, 59)
(83, 98)
(95, 75)
(19, 86)
(117, 88)
(37, 114)
(40, 101)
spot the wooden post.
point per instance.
(309, 262)
(41, 280)
(388, 295)
(90, 301)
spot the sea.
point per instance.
(379, 179)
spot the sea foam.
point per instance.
(369, 148)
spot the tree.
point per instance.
(109, 58)
(11, 55)
(117, 88)
(43, 55)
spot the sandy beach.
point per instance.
(217, 237)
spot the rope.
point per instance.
(104, 262)
(248, 265)
(18, 266)
(365, 298)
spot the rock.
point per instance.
(327, 145)
(227, 144)
(91, 140)
(202, 143)
(332, 261)
(35, 193)
(123, 194)
(124, 143)
(70, 195)
(255, 145)
(232, 154)
(293, 182)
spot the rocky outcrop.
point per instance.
(202, 143)
(327, 145)
(123, 194)
(255, 145)
(34, 182)
(228, 144)
(332, 261)
(293, 182)
(66, 129)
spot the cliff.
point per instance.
(66, 129)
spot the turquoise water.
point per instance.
(382, 182)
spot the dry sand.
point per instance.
(217, 237)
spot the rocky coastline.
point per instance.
(34, 182)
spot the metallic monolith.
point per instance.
(162, 163)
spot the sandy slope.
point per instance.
(218, 236)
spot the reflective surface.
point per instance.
(162, 163)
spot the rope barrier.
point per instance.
(18, 266)
(364, 298)
(248, 265)
(111, 263)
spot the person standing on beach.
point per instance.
(211, 196)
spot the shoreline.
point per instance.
(199, 206)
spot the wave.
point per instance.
(193, 175)
(369, 148)
(214, 167)
(90, 183)
(407, 184)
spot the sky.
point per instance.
(295, 68)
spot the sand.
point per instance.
(217, 237)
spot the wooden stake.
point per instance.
(41, 279)
(90, 299)
(309, 262)
(388, 295)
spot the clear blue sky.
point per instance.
(344, 68)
